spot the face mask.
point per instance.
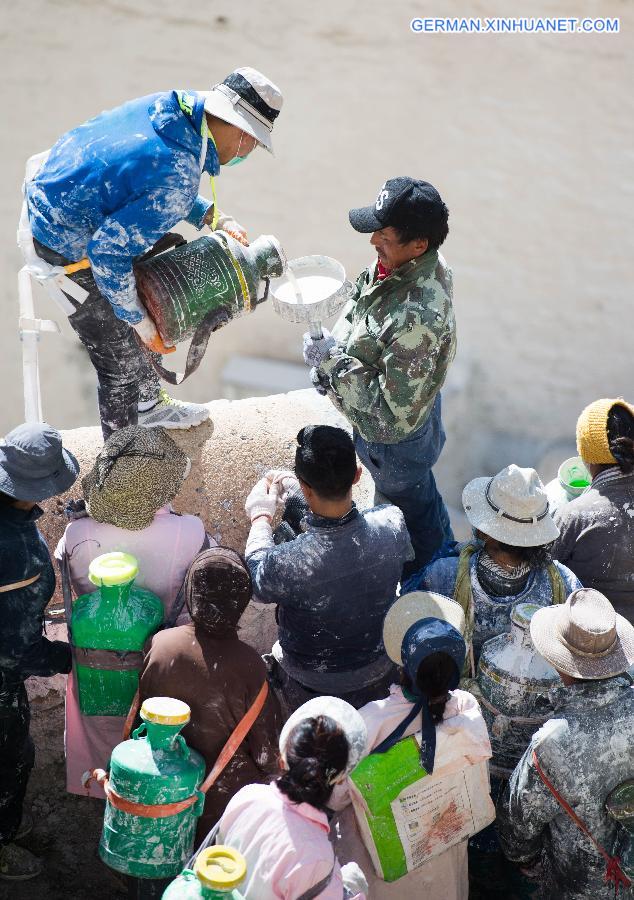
(235, 160)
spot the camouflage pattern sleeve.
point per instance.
(387, 400)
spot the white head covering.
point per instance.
(345, 715)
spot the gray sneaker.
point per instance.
(17, 864)
(172, 413)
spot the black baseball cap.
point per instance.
(401, 201)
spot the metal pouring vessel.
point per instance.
(312, 311)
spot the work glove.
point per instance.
(229, 225)
(320, 382)
(262, 501)
(316, 350)
(286, 482)
(354, 881)
(146, 329)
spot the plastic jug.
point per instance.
(620, 808)
(513, 682)
(181, 287)
(216, 874)
(155, 767)
(117, 618)
(572, 480)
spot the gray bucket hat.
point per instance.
(33, 464)
(584, 637)
(137, 472)
(248, 100)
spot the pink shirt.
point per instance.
(461, 740)
(285, 844)
(164, 551)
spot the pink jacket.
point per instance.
(285, 844)
(164, 551)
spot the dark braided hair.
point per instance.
(621, 437)
(316, 752)
(325, 460)
(433, 677)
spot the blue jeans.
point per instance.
(402, 474)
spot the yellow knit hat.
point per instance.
(592, 431)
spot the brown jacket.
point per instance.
(219, 678)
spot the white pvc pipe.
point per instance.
(29, 338)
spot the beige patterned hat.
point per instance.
(584, 637)
(137, 472)
(511, 507)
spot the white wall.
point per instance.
(528, 138)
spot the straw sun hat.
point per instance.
(511, 507)
(137, 472)
(412, 608)
(584, 637)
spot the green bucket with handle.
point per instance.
(109, 628)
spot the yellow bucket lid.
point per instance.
(165, 711)
(113, 568)
(220, 867)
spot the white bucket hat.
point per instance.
(248, 100)
(511, 507)
(345, 715)
(584, 637)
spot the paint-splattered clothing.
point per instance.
(219, 678)
(492, 614)
(597, 538)
(113, 186)
(585, 750)
(396, 337)
(333, 585)
(24, 651)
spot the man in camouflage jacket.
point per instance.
(387, 358)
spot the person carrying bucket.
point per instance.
(554, 814)
(106, 193)
(424, 635)
(386, 360)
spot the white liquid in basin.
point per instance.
(311, 288)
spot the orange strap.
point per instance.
(235, 739)
(129, 722)
(613, 871)
(19, 584)
(71, 268)
(162, 810)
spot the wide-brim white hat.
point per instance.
(248, 100)
(411, 608)
(584, 637)
(511, 507)
(344, 714)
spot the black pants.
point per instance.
(124, 374)
(17, 755)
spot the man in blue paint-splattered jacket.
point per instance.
(107, 191)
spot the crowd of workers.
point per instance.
(379, 611)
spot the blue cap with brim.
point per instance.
(33, 464)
